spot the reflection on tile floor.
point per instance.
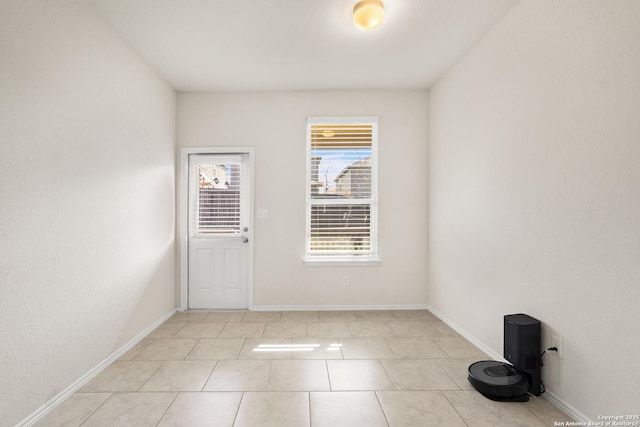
(328, 368)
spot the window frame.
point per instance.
(372, 257)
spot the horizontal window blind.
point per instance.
(218, 201)
(341, 194)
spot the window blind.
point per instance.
(218, 199)
(341, 189)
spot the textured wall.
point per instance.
(86, 199)
(275, 123)
(535, 192)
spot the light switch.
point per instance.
(263, 214)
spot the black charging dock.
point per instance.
(514, 381)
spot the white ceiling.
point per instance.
(258, 45)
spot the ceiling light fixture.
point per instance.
(368, 14)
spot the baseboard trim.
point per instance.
(473, 340)
(565, 407)
(549, 395)
(336, 307)
(39, 413)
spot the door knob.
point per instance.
(245, 240)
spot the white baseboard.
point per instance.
(38, 414)
(549, 395)
(566, 408)
(473, 340)
(336, 307)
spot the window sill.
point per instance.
(341, 262)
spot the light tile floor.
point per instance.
(327, 368)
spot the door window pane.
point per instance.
(218, 210)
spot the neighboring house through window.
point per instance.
(342, 189)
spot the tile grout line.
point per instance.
(266, 387)
(395, 387)
(150, 376)
(309, 403)
(326, 365)
(445, 372)
(96, 410)
(386, 419)
(534, 414)
(454, 407)
(191, 350)
(235, 419)
(209, 376)
(167, 409)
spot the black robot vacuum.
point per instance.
(514, 381)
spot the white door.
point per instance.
(219, 221)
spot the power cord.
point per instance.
(542, 389)
(542, 354)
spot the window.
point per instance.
(342, 189)
(215, 198)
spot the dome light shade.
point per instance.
(368, 14)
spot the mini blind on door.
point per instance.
(217, 198)
(341, 188)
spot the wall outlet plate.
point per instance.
(556, 342)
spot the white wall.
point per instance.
(535, 192)
(275, 123)
(86, 199)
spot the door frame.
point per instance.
(183, 212)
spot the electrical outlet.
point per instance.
(557, 343)
(345, 281)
